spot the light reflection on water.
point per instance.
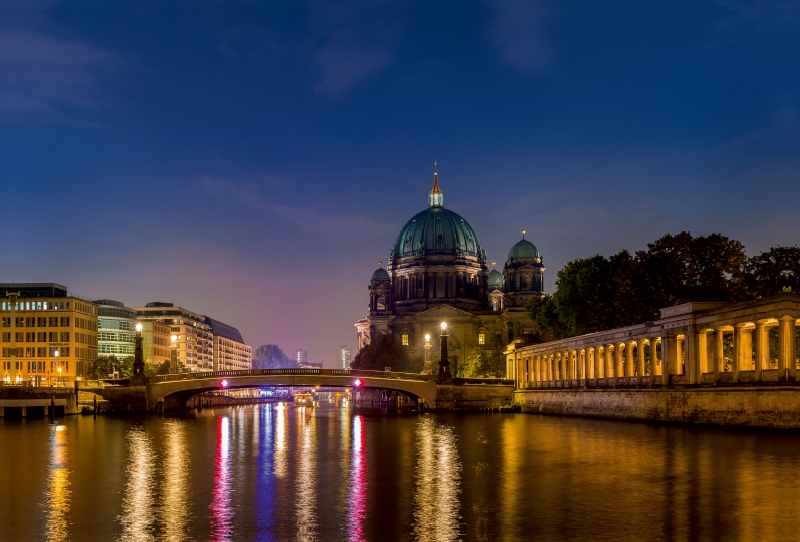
(270, 473)
(139, 494)
(437, 483)
(221, 512)
(57, 492)
(306, 477)
(174, 507)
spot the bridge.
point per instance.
(170, 392)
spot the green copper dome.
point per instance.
(437, 230)
(523, 249)
(496, 280)
(381, 274)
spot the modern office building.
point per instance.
(49, 336)
(195, 341)
(301, 356)
(229, 350)
(116, 329)
(155, 342)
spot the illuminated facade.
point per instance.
(437, 271)
(229, 351)
(49, 337)
(155, 342)
(195, 341)
(116, 329)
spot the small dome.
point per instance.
(523, 249)
(496, 280)
(381, 274)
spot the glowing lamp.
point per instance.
(357, 383)
(427, 337)
(444, 326)
(138, 327)
(173, 338)
(224, 383)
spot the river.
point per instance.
(275, 472)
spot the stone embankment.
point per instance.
(756, 407)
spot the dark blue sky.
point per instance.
(254, 161)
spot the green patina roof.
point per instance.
(523, 249)
(381, 274)
(496, 279)
(437, 230)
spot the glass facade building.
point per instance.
(116, 334)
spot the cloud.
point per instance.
(314, 220)
(516, 33)
(43, 74)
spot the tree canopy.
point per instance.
(270, 356)
(600, 293)
(384, 352)
(484, 363)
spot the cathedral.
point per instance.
(437, 272)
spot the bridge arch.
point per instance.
(170, 392)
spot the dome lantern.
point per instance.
(436, 196)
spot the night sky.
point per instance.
(254, 161)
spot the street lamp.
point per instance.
(173, 354)
(426, 370)
(59, 368)
(444, 376)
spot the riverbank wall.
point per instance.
(756, 407)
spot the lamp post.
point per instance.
(426, 370)
(58, 366)
(444, 376)
(173, 355)
(137, 378)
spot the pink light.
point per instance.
(357, 382)
(224, 383)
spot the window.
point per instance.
(6, 337)
(30, 321)
(65, 336)
(54, 321)
(53, 337)
(481, 338)
(41, 321)
(64, 322)
(404, 339)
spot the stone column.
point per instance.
(618, 366)
(692, 365)
(762, 349)
(629, 358)
(719, 353)
(702, 354)
(669, 352)
(640, 344)
(747, 350)
(599, 362)
(738, 350)
(584, 364)
(610, 372)
(655, 368)
(786, 361)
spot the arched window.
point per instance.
(381, 303)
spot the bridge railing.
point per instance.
(292, 372)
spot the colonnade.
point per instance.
(693, 344)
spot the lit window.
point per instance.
(481, 338)
(404, 339)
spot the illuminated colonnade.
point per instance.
(686, 346)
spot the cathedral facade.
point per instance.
(437, 272)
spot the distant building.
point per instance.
(195, 341)
(312, 365)
(301, 357)
(116, 329)
(45, 329)
(229, 351)
(344, 356)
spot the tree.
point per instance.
(384, 352)
(773, 272)
(160, 369)
(484, 363)
(270, 356)
(106, 365)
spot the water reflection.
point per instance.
(136, 517)
(57, 494)
(280, 440)
(438, 481)
(265, 488)
(358, 482)
(305, 487)
(221, 512)
(175, 490)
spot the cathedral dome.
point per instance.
(523, 249)
(437, 231)
(496, 280)
(381, 274)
